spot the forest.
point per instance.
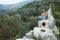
(16, 23)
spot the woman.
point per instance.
(43, 15)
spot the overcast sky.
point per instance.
(10, 1)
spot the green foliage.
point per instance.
(15, 24)
(56, 11)
(58, 36)
(33, 22)
(9, 25)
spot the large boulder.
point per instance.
(48, 24)
(44, 34)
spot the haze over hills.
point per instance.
(13, 7)
(1, 5)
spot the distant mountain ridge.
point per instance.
(1, 5)
(12, 7)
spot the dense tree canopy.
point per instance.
(15, 24)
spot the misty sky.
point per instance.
(10, 1)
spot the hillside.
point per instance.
(16, 23)
(12, 7)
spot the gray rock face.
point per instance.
(39, 34)
(44, 34)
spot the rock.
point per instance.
(24, 39)
(44, 24)
(44, 34)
